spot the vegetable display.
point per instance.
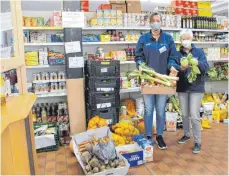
(218, 72)
(99, 155)
(151, 77)
(96, 122)
(191, 62)
(126, 130)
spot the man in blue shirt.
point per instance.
(154, 49)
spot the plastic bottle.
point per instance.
(44, 115)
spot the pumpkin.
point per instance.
(96, 122)
(140, 126)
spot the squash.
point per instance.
(96, 122)
(139, 124)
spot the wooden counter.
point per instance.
(17, 144)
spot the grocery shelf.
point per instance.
(134, 42)
(209, 43)
(42, 28)
(56, 94)
(109, 43)
(38, 66)
(127, 62)
(44, 66)
(147, 28)
(129, 90)
(49, 81)
(219, 60)
(45, 44)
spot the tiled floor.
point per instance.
(176, 160)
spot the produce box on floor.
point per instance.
(80, 139)
(46, 137)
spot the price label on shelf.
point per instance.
(73, 19)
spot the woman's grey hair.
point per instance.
(186, 32)
(154, 14)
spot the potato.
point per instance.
(88, 168)
(95, 169)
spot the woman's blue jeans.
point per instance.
(151, 101)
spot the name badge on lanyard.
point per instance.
(162, 49)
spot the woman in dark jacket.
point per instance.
(190, 94)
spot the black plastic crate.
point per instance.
(109, 114)
(100, 100)
(102, 68)
(56, 136)
(103, 84)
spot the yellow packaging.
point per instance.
(216, 116)
(204, 5)
(113, 22)
(105, 38)
(223, 114)
(119, 13)
(34, 22)
(93, 22)
(204, 12)
(119, 21)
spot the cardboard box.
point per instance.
(158, 90)
(97, 133)
(133, 7)
(117, 2)
(134, 158)
(105, 6)
(121, 7)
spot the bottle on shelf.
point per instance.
(34, 114)
(44, 115)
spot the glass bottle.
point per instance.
(34, 114)
(44, 115)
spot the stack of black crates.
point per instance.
(102, 87)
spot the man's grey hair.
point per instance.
(186, 32)
(154, 14)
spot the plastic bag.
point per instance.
(105, 151)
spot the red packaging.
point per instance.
(194, 12)
(187, 4)
(187, 12)
(85, 5)
(177, 3)
(193, 5)
(105, 6)
(179, 11)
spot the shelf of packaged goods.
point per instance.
(50, 94)
(42, 28)
(45, 44)
(147, 28)
(44, 66)
(127, 62)
(219, 60)
(209, 43)
(129, 90)
(48, 81)
(134, 42)
(109, 43)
